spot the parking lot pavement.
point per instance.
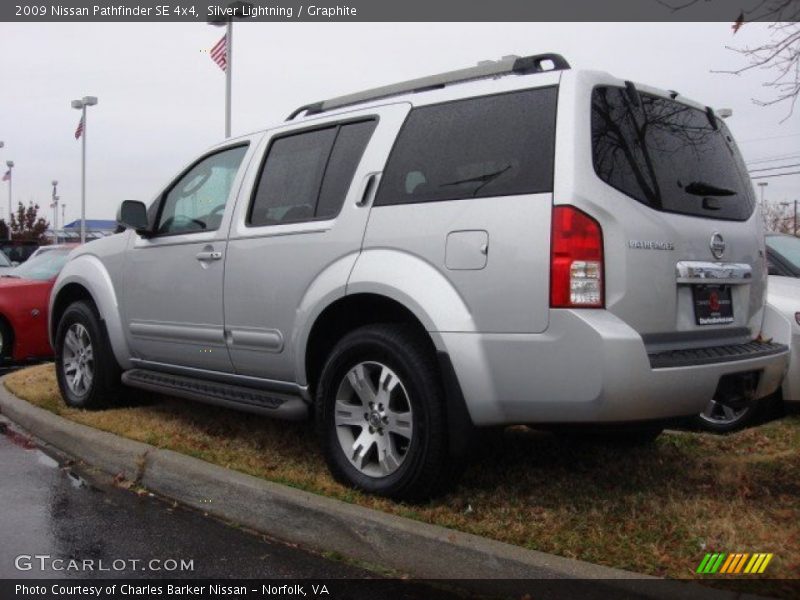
(48, 511)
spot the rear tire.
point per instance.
(719, 418)
(87, 372)
(380, 414)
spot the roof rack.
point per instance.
(489, 68)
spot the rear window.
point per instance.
(497, 145)
(668, 156)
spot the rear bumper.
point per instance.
(588, 367)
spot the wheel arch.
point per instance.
(346, 314)
(85, 278)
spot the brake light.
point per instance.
(576, 260)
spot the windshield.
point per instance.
(669, 156)
(42, 267)
(787, 246)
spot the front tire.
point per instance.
(6, 342)
(380, 414)
(87, 372)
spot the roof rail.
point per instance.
(507, 65)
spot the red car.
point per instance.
(24, 299)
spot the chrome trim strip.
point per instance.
(690, 271)
(272, 385)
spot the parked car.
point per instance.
(43, 249)
(18, 251)
(783, 255)
(782, 325)
(511, 243)
(5, 264)
(24, 297)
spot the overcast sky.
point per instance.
(161, 97)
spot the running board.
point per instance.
(271, 404)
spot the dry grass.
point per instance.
(654, 510)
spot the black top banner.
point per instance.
(402, 11)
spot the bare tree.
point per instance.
(780, 54)
(778, 218)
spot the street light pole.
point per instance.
(55, 206)
(10, 165)
(81, 105)
(762, 185)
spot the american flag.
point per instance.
(7, 176)
(219, 53)
(79, 130)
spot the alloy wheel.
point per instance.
(78, 359)
(374, 419)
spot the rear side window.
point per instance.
(497, 145)
(668, 156)
(307, 175)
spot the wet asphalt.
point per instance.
(48, 510)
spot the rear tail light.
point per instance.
(576, 260)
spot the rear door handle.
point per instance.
(369, 189)
(209, 255)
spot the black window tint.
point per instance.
(491, 146)
(668, 156)
(290, 178)
(347, 151)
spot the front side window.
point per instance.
(498, 145)
(197, 200)
(668, 155)
(307, 175)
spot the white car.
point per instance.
(781, 325)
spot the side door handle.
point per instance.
(207, 255)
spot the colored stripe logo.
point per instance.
(734, 564)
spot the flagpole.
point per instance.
(83, 176)
(10, 183)
(228, 77)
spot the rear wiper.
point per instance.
(701, 188)
(14, 276)
(484, 179)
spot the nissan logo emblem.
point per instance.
(717, 245)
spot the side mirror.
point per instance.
(132, 214)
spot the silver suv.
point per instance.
(514, 243)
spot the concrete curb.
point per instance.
(325, 524)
